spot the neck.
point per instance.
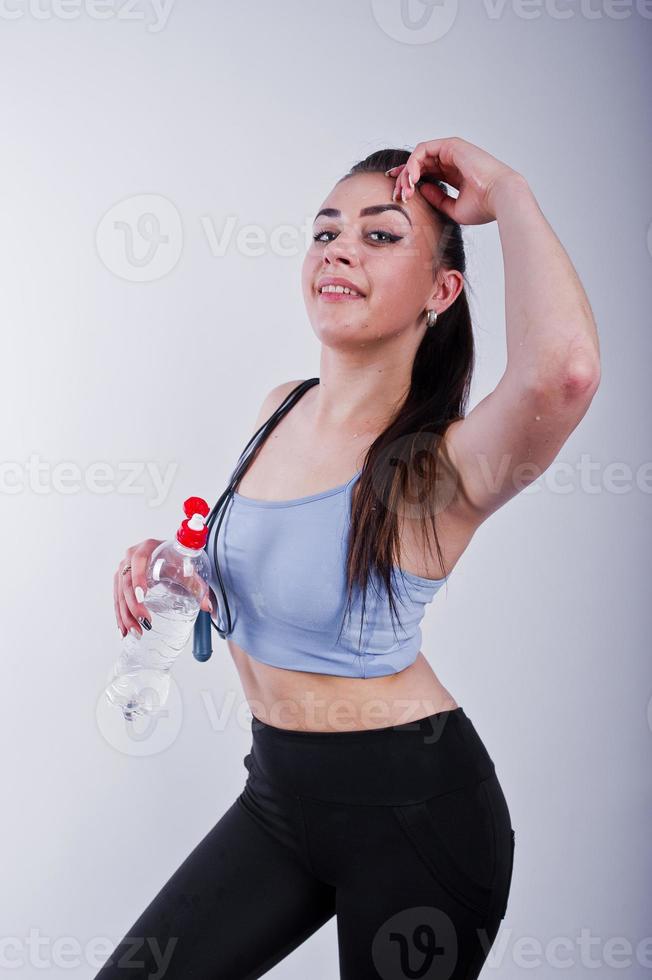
(362, 397)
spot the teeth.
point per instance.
(339, 289)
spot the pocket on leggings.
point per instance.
(453, 835)
(505, 841)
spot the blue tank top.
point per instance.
(283, 565)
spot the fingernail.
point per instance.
(410, 179)
(138, 592)
(144, 623)
(404, 195)
(134, 632)
(388, 172)
(121, 631)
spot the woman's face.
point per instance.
(387, 255)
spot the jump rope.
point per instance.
(202, 647)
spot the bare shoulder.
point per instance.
(273, 399)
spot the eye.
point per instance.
(389, 237)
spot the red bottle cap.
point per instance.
(193, 531)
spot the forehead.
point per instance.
(361, 187)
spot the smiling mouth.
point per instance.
(337, 294)
(338, 298)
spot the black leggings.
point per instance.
(401, 832)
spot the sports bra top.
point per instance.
(283, 566)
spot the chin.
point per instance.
(342, 334)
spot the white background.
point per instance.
(248, 113)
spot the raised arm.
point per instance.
(553, 362)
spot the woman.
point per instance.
(370, 795)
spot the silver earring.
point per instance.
(431, 319)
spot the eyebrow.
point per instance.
(373, 209)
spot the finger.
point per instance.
(127, 618)
(135, 588)
(135, 610)
(405, 184)
(395, 173)
(207, 603)
(438, 157)
(401, 184)
(139, 560)
(438, 197)
(116, 603)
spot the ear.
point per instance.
(448, 287)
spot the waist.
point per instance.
(298, 700)
(396, 764)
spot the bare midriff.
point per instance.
(304, 701)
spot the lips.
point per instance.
(338, 298)
(338, 281)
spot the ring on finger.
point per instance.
(126, 569)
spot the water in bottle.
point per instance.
(177, 576)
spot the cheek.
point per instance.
(308, 273)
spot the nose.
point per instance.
(340, 250)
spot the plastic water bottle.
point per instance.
(177, 581)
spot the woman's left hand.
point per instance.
(471, 171)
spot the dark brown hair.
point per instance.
(411, 443)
